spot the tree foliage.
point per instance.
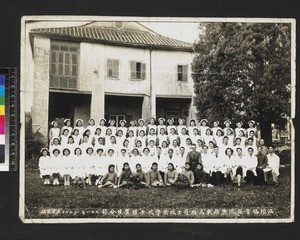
(242, 71)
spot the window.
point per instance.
(112, 68)
(137, 70)
(117, 118)
(64, 65)
(175, 114)
(182, 72)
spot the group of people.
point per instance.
(150, 155)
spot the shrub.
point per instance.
(34, 141)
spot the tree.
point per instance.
(242, 71)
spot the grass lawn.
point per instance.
(38, 197)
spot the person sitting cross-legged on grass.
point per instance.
(139, 178)
(154, 178)
(171, 175)
(125, 176)
(110, 179)
(185, 178)
(201, 177)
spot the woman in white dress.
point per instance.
(78, 167)
(151, 125)
(112, 126)
(67, 125)
(66, 169)
(44, 166)
(203, 127)
(56, 166)
(91, 127)
(192, 127)
(54, 132)
(122, 127)
(79, 126)
(89, 165)
(100, 165)
(161, 124)
(77, 138)
(171, 125)
(102, 126)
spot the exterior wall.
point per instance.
(41, 85)
(164, 73)
(160, 81)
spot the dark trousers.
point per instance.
(249, 177)
(162, 174)
(46, 176)
(239, 171)
(260, 180)
(217, 178)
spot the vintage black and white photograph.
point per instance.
(131, 119)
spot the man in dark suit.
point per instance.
(193, 157)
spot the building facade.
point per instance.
(119, 70)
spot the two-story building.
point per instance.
(119, 70)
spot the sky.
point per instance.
(187, 32)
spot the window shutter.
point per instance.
(143, 71)
(115, 68)
(109, 68)
(184, 72)
(132, 70)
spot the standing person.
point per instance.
(100, 144)
(71, 145)
(125, 176)
(180, 126)
(262, 163)
(229, 163)
(215, 128)
(85, 144)
(153, 176)
(274, 163)
(251, 127)
(218, 138)
(142, 137)
(172, 135)
(230, 135)
(66, 163)
(64, 137)
(151, 125)
(238, 128)
(171, 125)
(201, 176)
(218, 167)
(171, 175)
(44, 166)
(203, 127)
(180, 160)
(56, 166)
(67, 125)
(238, 144)
(133, 128)
(152, 148)
(186, 177)
(131, 139)
(122, 127)
(250, 144)
(175, 147)
(192, 127)
(89, 165)
(225, 145)
(97, 135)
(54, 131)
(102, 126)
(162, 137)
(147, 159)
(99, 164)
(77, 138)
(194, 135)
(141, 127)
(251, 163)
(110, 179)
(152, 136)
(183, 136)
(227, 124)
(112, 126)
(239, 168)
(120, 139)
(208, 137)
(206, 159)
(91, 127)
(78, 167)
(161, 124)
(139, 178)
(264, 149)
(55, 145)
(241, 135)
(79, 126)
(193, 158)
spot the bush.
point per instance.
(34, 141)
